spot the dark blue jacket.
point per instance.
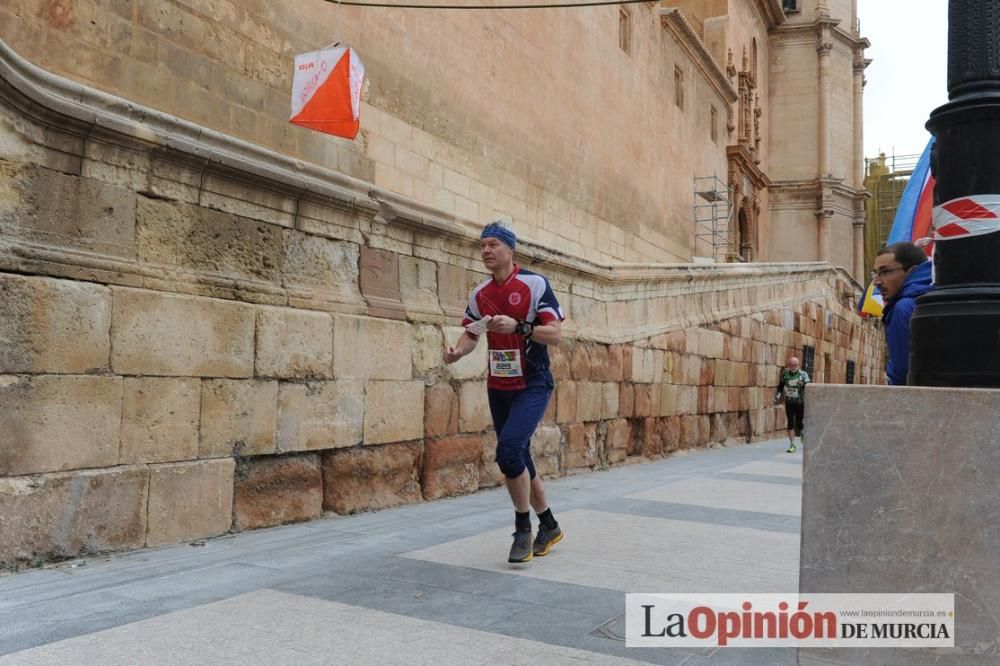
(896, 317)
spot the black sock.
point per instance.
(522, 521)
(547, 519)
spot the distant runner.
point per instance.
(793, 383)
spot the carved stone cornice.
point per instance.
(673, 19)
(771, 11)
(742, 159)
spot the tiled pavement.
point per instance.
(429, 583)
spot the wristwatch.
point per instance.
(524, 328)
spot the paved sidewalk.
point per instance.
(429, 583)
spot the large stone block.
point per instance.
(559, 363)
(566, 398)
(440, 410)
(51, 422)
(189, 500)
(647, 399)
(380, 283)
(472, 366)
(275, 490)
(451, 466)
(321, 273)
(54, 326)
(474, 408)
(609, 400)
(394, 412)
(320, 415)
(617, 441)
(366, 348)
(579, 362)
(902, 505)
(294, 344)
(162, 334)
(428, 344)
(546, 450)
(626, 400)
(66, 211)
(452, 291)
(238, 418)
(581, 446)
(68, 514)
(418, 289)
(199, 239)
(589, 401)
(160, 418)
(489, 473)
(711, 344)
(372, 477)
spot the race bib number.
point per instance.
(792, 392)
(505, 363)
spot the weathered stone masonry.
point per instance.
(198, 336)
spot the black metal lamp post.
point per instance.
(955, 329)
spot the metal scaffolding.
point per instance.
(713, 213)
(886, 177)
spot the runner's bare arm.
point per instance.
(466, 343)
(550, 334)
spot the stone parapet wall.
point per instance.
(198, 336)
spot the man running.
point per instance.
(520, 315)
(793, 383)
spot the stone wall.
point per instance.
(537, 116)
(198, 335)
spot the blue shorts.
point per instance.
(516, 414)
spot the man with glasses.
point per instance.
(901, 273)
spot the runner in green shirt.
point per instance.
(793, 386)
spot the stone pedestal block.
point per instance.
(69, 514)
(320, 415)
(440, 410)
(451, 466)
(900, 495)
(160, 419)
(546, 445)
(238, 418)
(581, 446)
(50, 423)
(277, 490)
(394, 412)
(191, 500)
(371, 477)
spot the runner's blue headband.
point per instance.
(498, 231)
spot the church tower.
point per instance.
(816, 160)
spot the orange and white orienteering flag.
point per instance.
(326, 90)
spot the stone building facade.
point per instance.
(211, 320)
(586, 127)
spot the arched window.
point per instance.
(753, 58)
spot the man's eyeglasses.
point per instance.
(880, 274)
